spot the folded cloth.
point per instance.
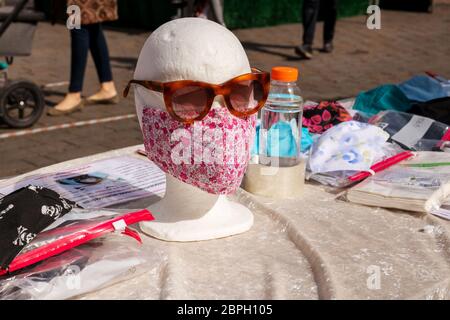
(351, 145)
(423, 88)
(321, 117)
(289, 144)
(386, 97)
(281, 140)
(438, 109)
(307, 139)
(23, 214)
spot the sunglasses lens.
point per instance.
(189, 102)
(245, 96)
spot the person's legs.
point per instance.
(80, 48)
(79, 52)
(310, 14)
(330, 16)
(217, 7)
(100, 55)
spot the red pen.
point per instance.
(445, 138)
(382, 165)
(436, 77)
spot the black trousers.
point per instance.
(310, 15)
(89, 37)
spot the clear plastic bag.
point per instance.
(47, 269)
(410, 131)
(90, 267)
(74, 230)
(336, 179)
(340, 179)
(420, 184)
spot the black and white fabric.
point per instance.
(23, 214)
(438, 109)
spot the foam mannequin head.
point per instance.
(200, 50)
(188, 49)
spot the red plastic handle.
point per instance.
(78, 238)
(382, 165)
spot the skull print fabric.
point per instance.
(23, 214)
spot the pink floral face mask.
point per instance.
(211, 154)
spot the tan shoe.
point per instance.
(56, 112)
(112, 100)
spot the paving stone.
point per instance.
(407, 44)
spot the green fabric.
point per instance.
(386, 97)
(259, 13)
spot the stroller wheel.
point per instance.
(21, 103)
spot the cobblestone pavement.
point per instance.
(407, 44)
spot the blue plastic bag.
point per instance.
(423, 88)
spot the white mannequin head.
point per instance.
(188, 49)
(211, 154)
(199, 50)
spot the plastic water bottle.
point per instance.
(281, 121)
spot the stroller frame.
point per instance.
(21, 101)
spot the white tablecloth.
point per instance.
(314, 247)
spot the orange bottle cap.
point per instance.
(285, 74)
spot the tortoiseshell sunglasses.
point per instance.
(188, 101)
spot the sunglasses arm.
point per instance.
(151, 85)
(256, 70)
(126, 90)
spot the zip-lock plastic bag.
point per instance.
(95, 265)
(342, 179)
(71, 232)
(103, 250)
(420, 184)
(412, 132)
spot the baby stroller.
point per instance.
(21, 101)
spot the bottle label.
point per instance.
(285, 97)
